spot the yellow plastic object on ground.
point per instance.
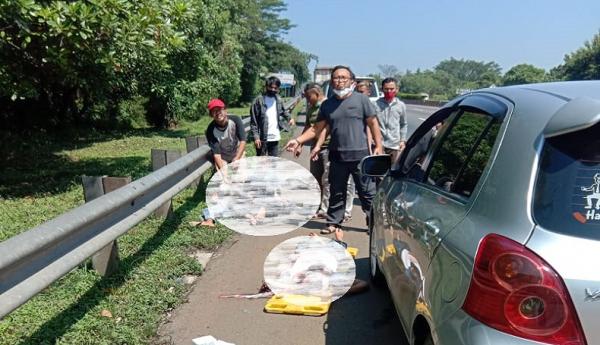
(298, 305)
(353, 251)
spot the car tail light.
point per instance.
(515, 291)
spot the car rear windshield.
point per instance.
(567, 193)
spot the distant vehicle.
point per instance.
(487, 231)
(374, 88)
(321, 74)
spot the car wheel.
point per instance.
(377, 277)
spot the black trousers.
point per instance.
(268, 148)
(338, 182)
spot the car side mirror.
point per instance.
(375, 166)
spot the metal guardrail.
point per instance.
(425, 102)
(32, 260)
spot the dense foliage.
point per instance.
(111, 62)
(582, 64)
(524, 74)
(447, 79)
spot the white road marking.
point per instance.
(422, 119)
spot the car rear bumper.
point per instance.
(462, 329)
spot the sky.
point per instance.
(412, 34)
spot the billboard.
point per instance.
(287, 79)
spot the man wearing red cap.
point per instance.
(225, 134)
(226, 139)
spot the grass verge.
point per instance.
(41, 180)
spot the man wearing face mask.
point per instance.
(267, 117)
(391, 113)
(346, 118)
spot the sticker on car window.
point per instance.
(586, 198)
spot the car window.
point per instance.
(373, 90)
(567, 192)
(412, 165)
(463, 153)
(412, 162)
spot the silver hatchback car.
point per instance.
(487, 229)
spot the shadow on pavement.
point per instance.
(319, 225)
(353, 320)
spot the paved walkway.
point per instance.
(367, 318)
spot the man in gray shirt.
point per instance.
(391, 113)
(345, 117)
(225, 134)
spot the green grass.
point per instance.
(41, 180)
(244, 111)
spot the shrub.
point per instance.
(417, 96)
(132, 112)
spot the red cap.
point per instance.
(215, 102)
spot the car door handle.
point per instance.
(432, 226)
(396, 206)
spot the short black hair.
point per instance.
(273, 80)
(389, 80)
(312, 86)
(352, 76)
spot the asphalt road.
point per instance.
(367, 318)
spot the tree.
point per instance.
(285, 57)
(470, 74)
(92, 62)
(262, 25)
(376, 76)
(419, 82)
(389, 71)
(524, 74)
(62, 60)
(584, 63)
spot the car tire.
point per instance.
(375, 274)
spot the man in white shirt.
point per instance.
(268, 117)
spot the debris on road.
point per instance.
(209, 340)
(263, 292)
(249, 296)
(106, 313)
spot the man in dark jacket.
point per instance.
(268, 117)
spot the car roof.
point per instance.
(566, 90)
(563, 106)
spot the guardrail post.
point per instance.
(106, 260)
(192, 143)
(160, 158)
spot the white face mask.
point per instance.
(343, 92)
